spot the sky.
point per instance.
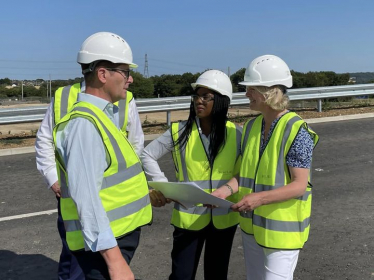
(41, 38)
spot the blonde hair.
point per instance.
(274, 96)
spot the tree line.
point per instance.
(168, 85)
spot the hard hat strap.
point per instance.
(91, 67)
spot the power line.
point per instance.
(180, 63)
(36, 61)
(33, 68)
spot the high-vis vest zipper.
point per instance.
(124, 192)
(283, 225)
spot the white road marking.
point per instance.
(48, 212)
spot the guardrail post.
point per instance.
(168, 118)
(319, 105)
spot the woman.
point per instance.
(205, 150)
(273, 183)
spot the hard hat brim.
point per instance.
(287, 83)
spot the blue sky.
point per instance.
(41, 38)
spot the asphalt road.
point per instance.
(340, 245)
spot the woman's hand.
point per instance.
(222, 192)
(297, 187)
(248, 203)
(157, 198)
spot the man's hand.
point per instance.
(56, 189)
(120, 271)
(117, 266)
(158, 199)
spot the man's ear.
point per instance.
(101, 74)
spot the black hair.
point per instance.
(218, 128)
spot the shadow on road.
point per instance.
(30, 267)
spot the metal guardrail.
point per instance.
(169, 104)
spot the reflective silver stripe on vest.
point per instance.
(72, 225)
(202, 184)
(238, 140)
(305, 196)
(128, 209)
(205, 184)
(124, 172)
(198, 210)
(64, 101)
(221, 211)
(201, 210)
(182, 151)
(122, 113)
(246, 135)
(123, 175)
(115, 214)
(246, 182)
(64, 186)
(284, 226)
(248, 214)
(280, 172)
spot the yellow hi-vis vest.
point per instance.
(192, 164)
(282, 225)
(66, 97)
(124, 192)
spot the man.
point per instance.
(104, 192)
(65, 98)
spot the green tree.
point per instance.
(141, 87)
(6, 82)
(165, 85)
(298, 79)
(236, 78)
(186, 80)
(30, 91)
(13, 92)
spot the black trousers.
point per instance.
(93, 264)
(187, 248)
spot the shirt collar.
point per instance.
(94, 100)
(199, 128)
(83, 86)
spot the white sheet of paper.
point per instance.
(188, 194)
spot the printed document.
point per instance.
(188, 194)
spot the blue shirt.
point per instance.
(83, 152)
(301, 150)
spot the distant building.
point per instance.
(352, 80)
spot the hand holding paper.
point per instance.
(188, 194)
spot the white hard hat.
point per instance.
(215, 80)
(267, 70)
(105, 46)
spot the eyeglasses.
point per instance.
(204, 98)
(125, 73)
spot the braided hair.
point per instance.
(218, 128)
